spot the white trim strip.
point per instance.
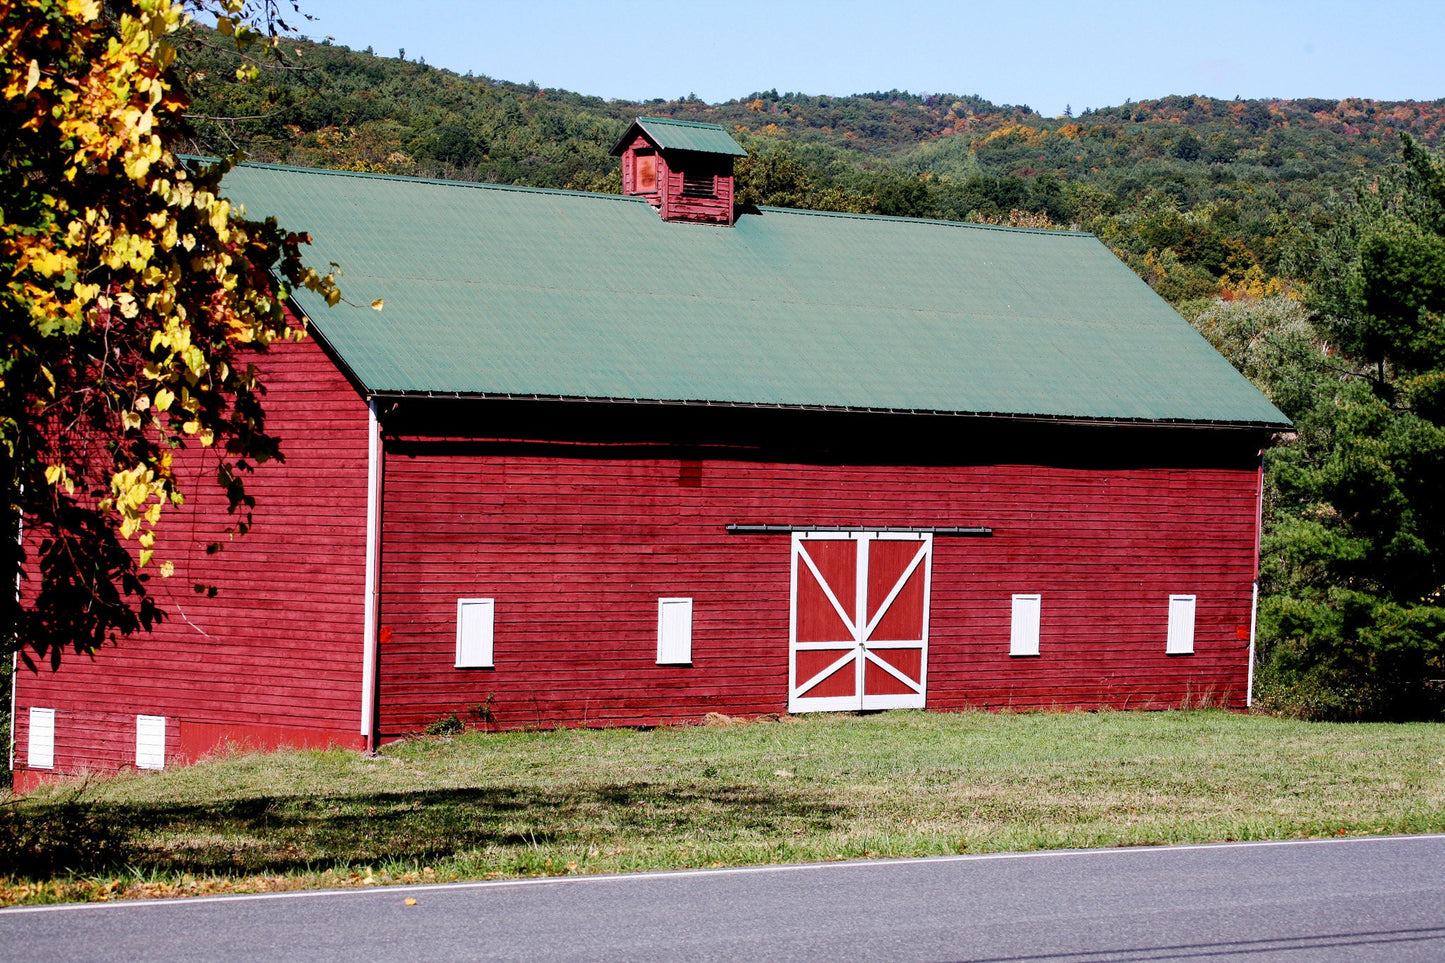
(14, 678)
(1253, 619)
(15, 656)
(373, 569)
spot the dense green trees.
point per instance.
(1353, 611)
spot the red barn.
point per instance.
(625, 460)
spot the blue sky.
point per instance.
(1045, 54)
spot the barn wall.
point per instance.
(275, 657)
(577, 546)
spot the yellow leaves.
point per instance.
(1015, 131)
(45, 260)
(195, 359)
(324, 285)
(139, 160)
(168, 568)
(220, 219)
(75, 234)
(378, 304)
(58, 475)
(175, 336)
(86, 11)
(137, 494)
(148, 250)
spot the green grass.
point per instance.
(816, 788)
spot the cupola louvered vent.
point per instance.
(699, 185)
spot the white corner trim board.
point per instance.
(372, 579)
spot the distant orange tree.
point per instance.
(130, 289)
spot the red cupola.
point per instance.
(683, 168)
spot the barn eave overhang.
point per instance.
(403, 395)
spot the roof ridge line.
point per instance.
(936, 221)
(689, 123)
(437, 181)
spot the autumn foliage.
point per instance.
(132, 291)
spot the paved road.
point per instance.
(1359, 900)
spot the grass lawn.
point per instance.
(815, 788)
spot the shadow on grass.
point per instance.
(277, 834)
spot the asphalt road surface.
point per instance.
(1380, 898)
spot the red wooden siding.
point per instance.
(273, 659)
(686, 186)
(712, 204)
(634, 179)
(577, 549)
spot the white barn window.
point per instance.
(40, 747)
(475, 618)
(1181, 625)
(1024, 627)
(150, 742)
(674, 631)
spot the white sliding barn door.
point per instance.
(859, 625)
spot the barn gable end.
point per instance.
(274, 657)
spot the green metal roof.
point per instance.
(670, 134)
(532, 293)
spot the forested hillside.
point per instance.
(1305, 238)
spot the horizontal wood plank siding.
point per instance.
(679, 206)
(275, 657)
(576, 551)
